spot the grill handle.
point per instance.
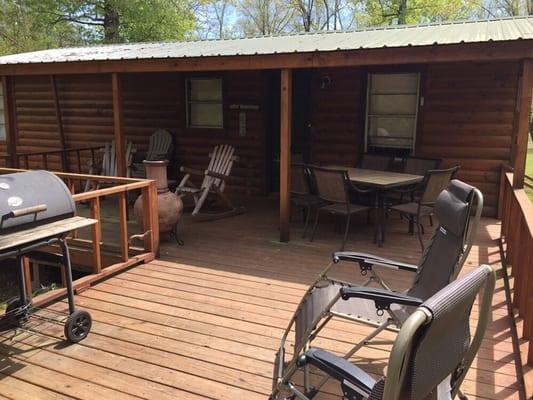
(24, 211)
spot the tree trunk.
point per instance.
(402, 10)
(111, 24)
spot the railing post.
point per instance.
(150, 218)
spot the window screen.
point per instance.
(204, 103)
(392, 110)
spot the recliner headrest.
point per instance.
(453, 206)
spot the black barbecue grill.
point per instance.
(36, 210)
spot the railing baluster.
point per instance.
(516, 212)
(123, 225)
(96, 234)
(150, 219)
(78, 155)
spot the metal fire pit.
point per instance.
(36, 210)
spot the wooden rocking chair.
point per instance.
(214, 182)
(107, 166)
(159, 148)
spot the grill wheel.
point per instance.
(77, 326)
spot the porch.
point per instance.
(204, 320)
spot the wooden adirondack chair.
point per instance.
(108, 164)
(159, 148)
(214, 182)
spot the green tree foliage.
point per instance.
(386, 12)
(27, 25)
(23, 29)
(125, 20)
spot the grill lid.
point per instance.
(33, 198)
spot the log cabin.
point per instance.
(464, 92)
(460, 92)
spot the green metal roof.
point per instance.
(496, 30)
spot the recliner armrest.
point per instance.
(366, 261)
(383, 298)
(339, 369)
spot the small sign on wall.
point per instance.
(242, 124)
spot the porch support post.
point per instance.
(522, 123)
(9, 104)
(120, 141)
(59, 123)
(285, 154)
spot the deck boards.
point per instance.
(205, 319)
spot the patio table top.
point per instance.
(379, 179)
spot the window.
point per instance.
(2, 115)
(392, 105)
(204, 103)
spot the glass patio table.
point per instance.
(381, 181)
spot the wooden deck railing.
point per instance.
(90, 252)
(42, 159)
(516, 213)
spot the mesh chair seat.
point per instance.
(412, 209)
(341, 208)
(305, 200)
(316, 303)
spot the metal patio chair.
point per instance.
(420, 165)
(213, 183)
(333, 187)
(414, 166)
(303, 192)
(431, 354)
(377, 162)
(439, 265)
(435, 181)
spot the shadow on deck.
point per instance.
(205, 319)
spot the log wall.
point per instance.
(150, 102)
(467, 118)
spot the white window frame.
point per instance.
(189, 102)
(367, 108)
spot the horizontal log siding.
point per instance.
(337, 116)
(150, 102)
(35, 117)
(467, 120)
(86, 104)
(194, 145)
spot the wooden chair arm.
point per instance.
(191, 171)
(216, 175)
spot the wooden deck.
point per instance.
(205, 319)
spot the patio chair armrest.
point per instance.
(191, 171)
(351, 376)
(382, 298)
(366, 261)
(216, 174)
